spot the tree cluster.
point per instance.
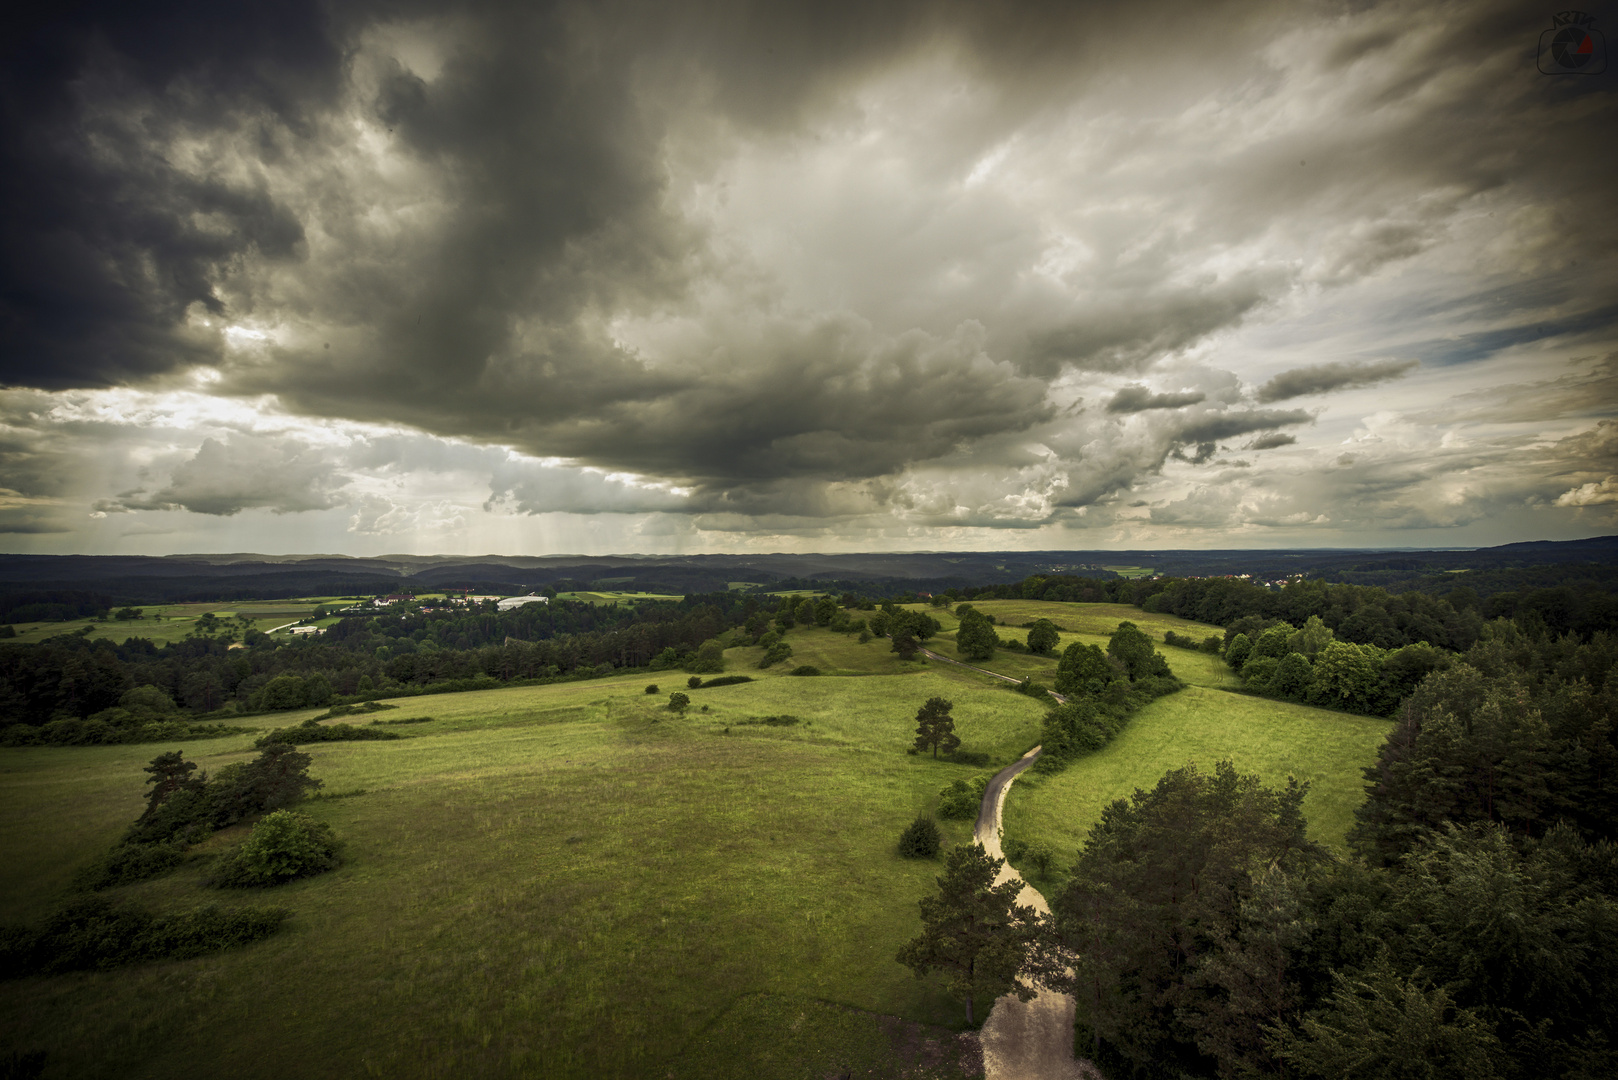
(1469, 934)
(1103, 689)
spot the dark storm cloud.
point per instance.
(1228, 425)
(1133, 399)
(1128, 333)
(1324, 378)
(107, 243)
(446, 216)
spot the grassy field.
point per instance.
(163, 623)
(1087, 624)
(610, 597)
(1271, 738)
(570, 880)
(564, 881)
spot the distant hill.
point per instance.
(140, 578)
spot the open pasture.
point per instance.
(559, 881)
(1274, 739)
(598, 596)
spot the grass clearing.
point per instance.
(607, 596)
(566, 880)
(1274, 739)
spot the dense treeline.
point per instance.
(83, 687)
(1468, 934)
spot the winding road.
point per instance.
(1024, 1040)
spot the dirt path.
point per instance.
(985, 671)
(1024, 1040)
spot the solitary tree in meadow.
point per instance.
(935, 727)
(1043, 637)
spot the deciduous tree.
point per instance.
(1043, 637)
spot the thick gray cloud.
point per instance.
(281, 475)
(791, 263)
(1133, 399)
(1324, 378)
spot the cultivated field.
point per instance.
(573, 881)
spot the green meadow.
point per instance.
(572, 880)
(1274, 739)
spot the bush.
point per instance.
(726, 680)
(969, 757)
(693, 682)
(128, 863)
(92, 933)
(311, 732)
(775, 654)
(283, 846)
(960, 800)
(678, 702)
(920, 840)
(805, 669)
(651, 689)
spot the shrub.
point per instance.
(805, 669)
(93, 933)
(283, 846)
(678, 702)
(311, 732)
(920, 840)
(710, 657)
(693, 682)
(960, 800)
(1039, 858)
(652, 688)
(1238, 651)
(128, 863)
(726, 680)
(775, 654)
(1212, 644)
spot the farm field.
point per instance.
(562, 880)
(1274, 739)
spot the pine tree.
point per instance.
(935, 727)
(974, 932)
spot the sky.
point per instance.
(529, 278)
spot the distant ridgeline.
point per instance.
(42, 587)
(1354, 647)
